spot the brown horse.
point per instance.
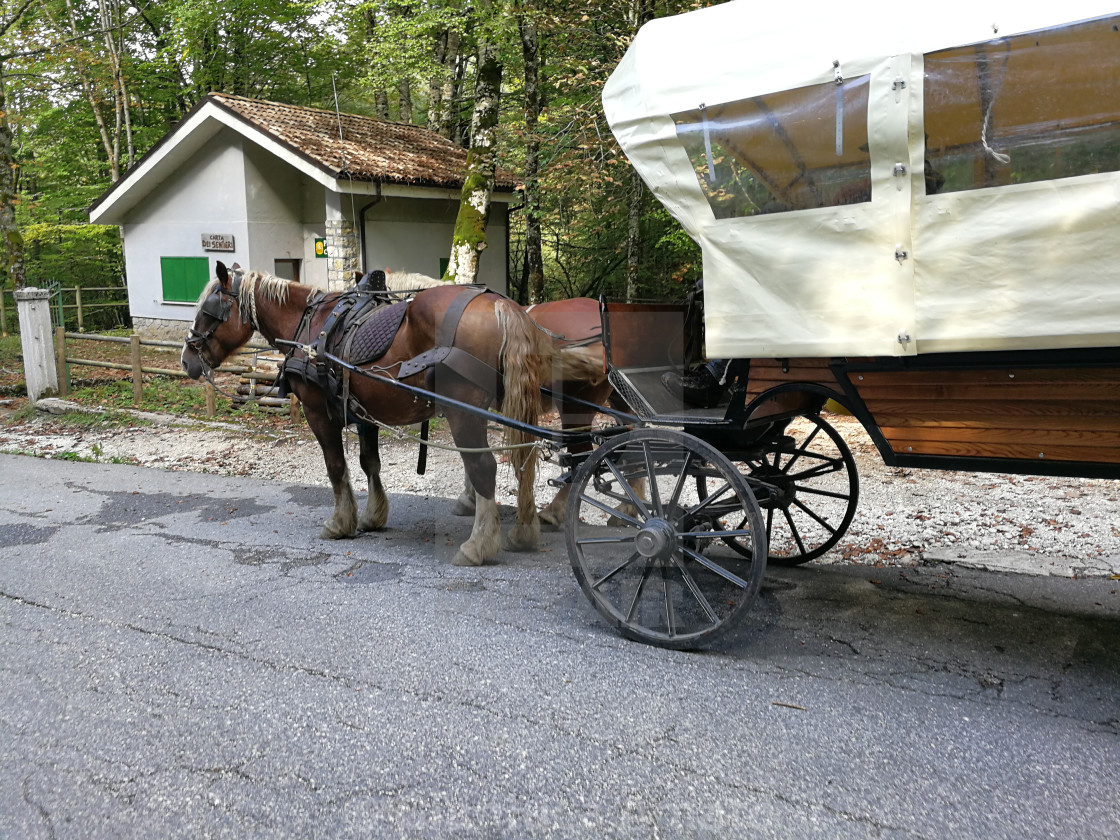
(492, 329)
(578, 370)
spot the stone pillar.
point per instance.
(342, 253)
(341, 243)
(37, 340)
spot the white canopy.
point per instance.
(887, 179)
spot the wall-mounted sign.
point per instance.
(320, 247)
(217, 242)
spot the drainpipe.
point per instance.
(362, 229)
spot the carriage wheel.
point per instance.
(808, 488)
(647, 547)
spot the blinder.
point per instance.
(217, 307)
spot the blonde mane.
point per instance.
(403, 281)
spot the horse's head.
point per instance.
(216, 333)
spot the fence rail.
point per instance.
(85, 301)
(138, 370)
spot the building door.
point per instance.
(287, 269)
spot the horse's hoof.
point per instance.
(463, 507)
(463, 559)
(522, 538)
(329, 533)
(373, 523)
(551, 520)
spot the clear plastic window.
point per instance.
(784, 151)
(1033, 107)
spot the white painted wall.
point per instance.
(413, 234)
(206, 196)
(275, 194)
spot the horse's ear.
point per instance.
(223, 274)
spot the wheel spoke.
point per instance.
(610, 510)
(716, 535)
(596, 584)
(670, 614)
(635, 499)
(816, 491)
(708, 501)
(624, 538)
(654, 493)
(816, 518)
(793, 530)
(638, 592)
(694, 588)
(801, 449)
(827, 466)
(711, 566)
(676, 495)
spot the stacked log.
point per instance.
(259, 386)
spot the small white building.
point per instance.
(302, 193)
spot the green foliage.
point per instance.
(11, 351)
(74, 254)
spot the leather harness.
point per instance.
(366, 320)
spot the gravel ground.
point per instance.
(1030, 524)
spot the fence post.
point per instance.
(78, 303)
(39, 369)
(211, 402)
(60, 361)
(137, 376)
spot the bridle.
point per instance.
(217, 306)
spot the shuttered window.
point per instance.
(184, 277)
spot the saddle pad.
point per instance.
(373, 337)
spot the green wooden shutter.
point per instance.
(184, 277)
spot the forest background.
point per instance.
(88, 86)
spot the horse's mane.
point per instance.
(271, 288)
(402, 281)
(275, 289)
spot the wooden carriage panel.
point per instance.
(767, 373)
(1053, 414)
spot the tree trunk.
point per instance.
(530, 53)
(469, 240)
(435, 85)
(634, 235)
(640, 11)
(448, 98)
(380, 95)
(14, 264)
(404, 94)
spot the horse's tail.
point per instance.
(525, 356)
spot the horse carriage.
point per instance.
(912, 217)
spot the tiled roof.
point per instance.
(369, 150)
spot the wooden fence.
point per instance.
(76, 311)
(138, 370)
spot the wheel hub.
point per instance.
(782, 489)
(656, 539)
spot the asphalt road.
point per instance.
(182, 657)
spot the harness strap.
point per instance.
(445, 352)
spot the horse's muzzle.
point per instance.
(192, 363)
